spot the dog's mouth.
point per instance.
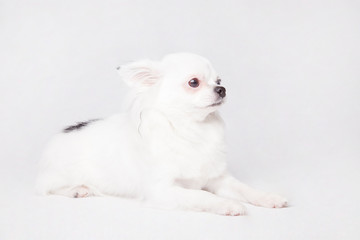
(216, 104)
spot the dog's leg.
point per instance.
(229, 187)
(195, 200)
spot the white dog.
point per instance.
(167, 149)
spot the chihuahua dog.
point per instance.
(166, 149)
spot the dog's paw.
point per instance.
(80, 192)
(231, 209)
(270, 200)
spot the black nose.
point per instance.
(221, 91)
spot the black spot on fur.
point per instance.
(79, 125)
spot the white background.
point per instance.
(292, 74)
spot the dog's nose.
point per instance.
(221, 91)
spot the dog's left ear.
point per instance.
(144, 73)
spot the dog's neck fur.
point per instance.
(185, 116)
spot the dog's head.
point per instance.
(179, 83)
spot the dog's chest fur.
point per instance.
(189, 152)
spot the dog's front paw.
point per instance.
(271, 200)
(231, 209)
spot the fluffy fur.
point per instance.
(167, 149)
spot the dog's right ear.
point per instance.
(142, 73)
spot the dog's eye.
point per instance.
(218, 81)
(194, 83)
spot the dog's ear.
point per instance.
(142, 73)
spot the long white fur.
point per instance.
(167, 149)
